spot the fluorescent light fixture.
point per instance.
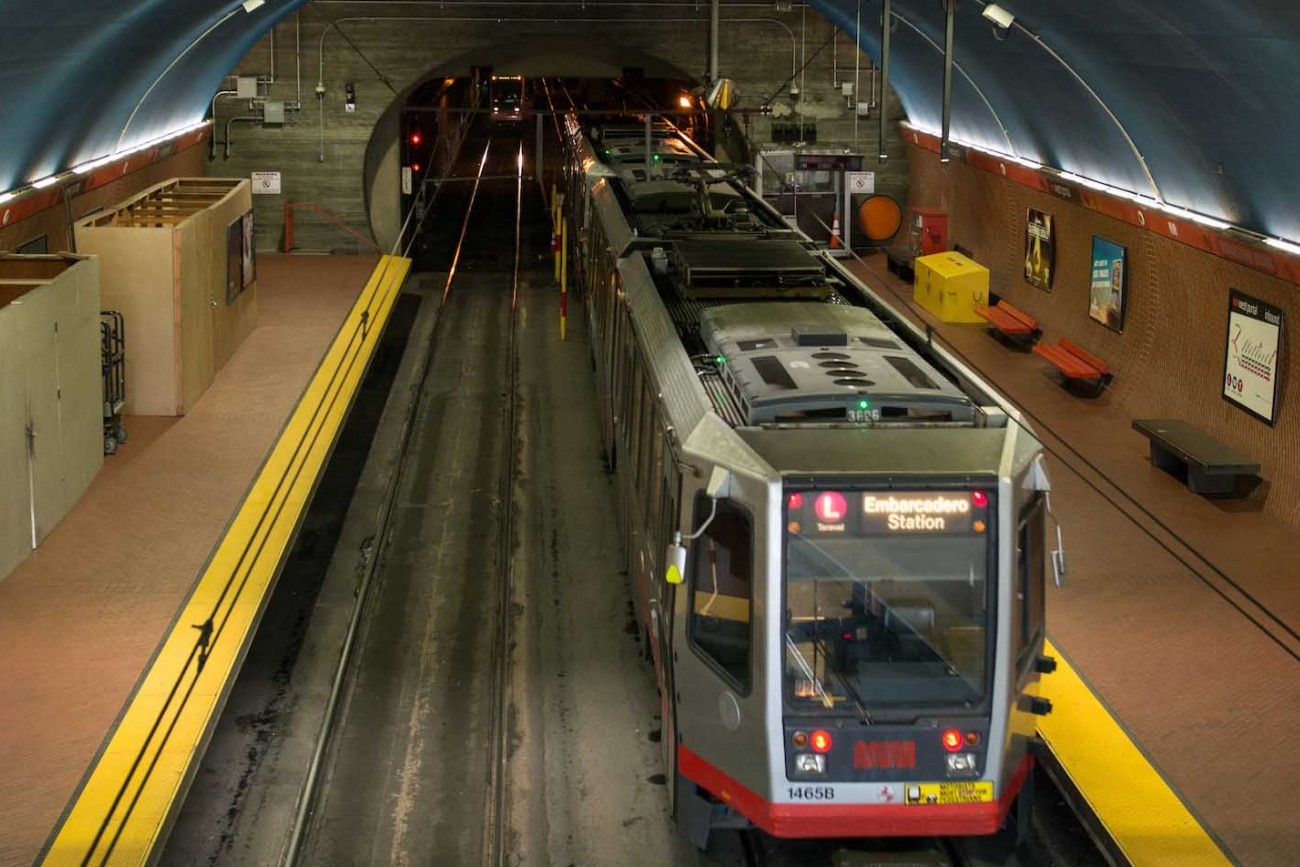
(253, 5)
(92, 165)
(45, 182)
(1285, 246)
(998, 16)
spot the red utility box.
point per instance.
(928, 232)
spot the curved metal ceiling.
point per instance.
(1199, 91)
(85, 78)
(1193, 97)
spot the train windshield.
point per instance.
(887, 600)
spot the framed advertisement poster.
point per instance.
(234, 260)
(1251, 361)
(1040, 250)
(1108, 291)
(249, 248)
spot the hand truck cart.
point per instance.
(112, 347)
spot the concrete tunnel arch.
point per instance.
(561, 58)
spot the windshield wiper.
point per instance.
(827, 701)
(853, 694)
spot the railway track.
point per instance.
(454, 479)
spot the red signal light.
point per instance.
(821, 741)
(416, 138)
(979, 499)
(415, 167)
(796, 501)
(952, 740)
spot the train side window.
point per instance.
(1028, 611)
(722, 591)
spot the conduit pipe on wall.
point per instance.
(715, 12)
(886, 28)
(949, 35)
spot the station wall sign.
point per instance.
(1251, 366)
(1040, 250)
(266, 183)
(1109, 283)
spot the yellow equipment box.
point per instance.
(951, 286)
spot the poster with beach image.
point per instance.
(1250, 363)
(1109, 283)
(1040, 256)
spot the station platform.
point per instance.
(118, 633)
(1176, 705)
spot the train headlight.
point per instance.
(810, 763)
(962, 763)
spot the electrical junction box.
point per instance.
(246, 87)
(273, 111)
(951, 286)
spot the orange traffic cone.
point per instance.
(836, 243)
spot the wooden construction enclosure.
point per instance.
(51, 395)
(172, 262)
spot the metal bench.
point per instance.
(1010, 325)
(1085, 374)
(899, 260)
(1212, 467)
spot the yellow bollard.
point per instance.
(564, 280)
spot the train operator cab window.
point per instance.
(888, 605)
(1028, 609)
(722, 590)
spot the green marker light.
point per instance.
(720, 359)
(864, 404)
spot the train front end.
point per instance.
(895, 639)
(890, 723)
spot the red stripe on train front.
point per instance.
(852, 820)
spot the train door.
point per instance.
(716, 652)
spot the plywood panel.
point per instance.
(33, 267)
(36, 369)
(15, 517)
(136, 278)
(232, 323)
(197, 299)
(80, 380)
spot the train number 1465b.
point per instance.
(812, 793)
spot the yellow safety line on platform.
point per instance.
(1144, 817)
(131, 792)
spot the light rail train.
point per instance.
(837, 533)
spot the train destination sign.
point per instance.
(921, 512)
(889, 513)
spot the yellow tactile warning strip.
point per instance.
(1146, 820)
(130, 793)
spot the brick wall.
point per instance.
(322, 151)
(1168, 361)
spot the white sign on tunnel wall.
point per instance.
(1250, 365)
(266, 183)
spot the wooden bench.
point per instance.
(1011, 325)
(1212, 467)
(899, 259)
(1085, 374)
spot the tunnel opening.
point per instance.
(417, 133)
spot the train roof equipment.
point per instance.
(824, 363)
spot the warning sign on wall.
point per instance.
(266, 183)
(862, 183)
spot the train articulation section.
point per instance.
(837, 536)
